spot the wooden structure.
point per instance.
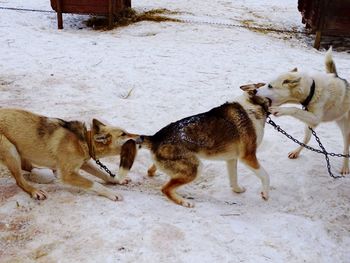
(95, 7)
(326, 17)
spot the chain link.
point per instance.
(104, 167)
(322, 151)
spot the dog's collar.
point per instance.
(306, 102)
(90, 144)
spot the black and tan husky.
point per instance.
(230, 132)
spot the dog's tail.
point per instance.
(127, 157)
(144, 141)
(329, 62)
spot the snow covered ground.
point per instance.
(174, 70)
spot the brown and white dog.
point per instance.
(325, 95)
(28, 139)
(230, 132)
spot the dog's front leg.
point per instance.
(91, 168)
(252, 163)
(69, 176)
(310, 118)
(232, 173)
(307, 136)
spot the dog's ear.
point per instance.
(260, 84)
(97, 125)
(292, 81)
(248, 88)
(252, 87)
(103, 138)
(294, 70)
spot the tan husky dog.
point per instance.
(28, 139)
(230, 132)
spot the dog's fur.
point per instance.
(28, 140)
(230, 132)
(331, 101)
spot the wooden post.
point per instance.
(110, 13)
(59, 14)
(127, 3)
(323, 16)
(317, 42)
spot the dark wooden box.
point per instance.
(96, 7)
(325, 17)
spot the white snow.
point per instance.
(174, 70)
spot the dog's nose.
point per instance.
(139, 140)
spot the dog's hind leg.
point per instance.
(181, 173)
(11, 158)
(232, 172)
(253, 164)
(307, 136)
(345, 130)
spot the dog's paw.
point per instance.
(115, 197)
(238, 189)
(293, 154)
(124, 181)
(264, 195)
(280, 111)
(187, 204)
(345, 170)
(39, 194)
(276, 111)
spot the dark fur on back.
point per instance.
(47, 126)
(76, 127)
(209, 131)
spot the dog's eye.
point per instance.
(269, 86)
(123, 134)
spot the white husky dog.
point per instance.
(325, 96)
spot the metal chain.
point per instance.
(26, 9)
(322, 151)
(104, 167)
(188, 21)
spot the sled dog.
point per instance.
(29, 140)
(229, 132)
(325, 96)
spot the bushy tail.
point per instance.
(127, 157)
(144, 141)
(329, 63)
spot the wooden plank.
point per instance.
(80, 9)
